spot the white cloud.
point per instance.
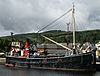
(23, 16)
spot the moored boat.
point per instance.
(73, 60)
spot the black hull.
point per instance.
(83, 62)
(97, 67)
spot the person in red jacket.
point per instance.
(26, 51)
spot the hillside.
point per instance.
(92, 36)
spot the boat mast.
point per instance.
(73, 26)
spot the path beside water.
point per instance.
(2, 61)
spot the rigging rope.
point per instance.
(61, 21)
(54, 20)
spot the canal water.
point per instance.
(5, 71)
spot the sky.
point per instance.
(27, 16)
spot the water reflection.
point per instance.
(33, 72)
